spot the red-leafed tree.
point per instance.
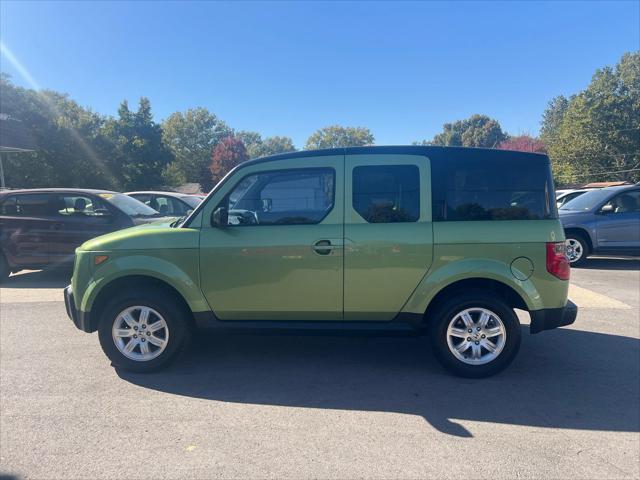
(229, 152)
(523, 143)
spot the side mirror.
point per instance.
(608, 208)
(220, 217)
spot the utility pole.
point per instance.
(2, 186)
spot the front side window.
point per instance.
(285, 197)
(492, 189)
(625, 202)
(169, 206)
(387, 193)
(80, 206)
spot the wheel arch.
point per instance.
(134, 283)
(503, 291)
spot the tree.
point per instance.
(337, 136)
(192, 135)
(598, 137)
(138, 150)
(228, 153)
(552, 118)
(70, 149)
(523, 143)
(475, 131)
(258, 147)
(252, 142)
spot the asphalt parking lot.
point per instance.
(323, 407)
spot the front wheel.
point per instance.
(475, 335)
(143, 332)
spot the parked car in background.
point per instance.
(564, 196)
(40, 228)
(168, 203)
(443, 241)
(605, 221)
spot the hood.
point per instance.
(147, 235)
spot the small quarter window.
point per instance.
(387, 193)
(284, 197)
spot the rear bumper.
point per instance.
(550, 318)
(80, 318)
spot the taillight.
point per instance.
(557, 262)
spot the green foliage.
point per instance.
(137, 149)
(337, 136)
(599, 130)
(191, 136)
(258, 147)
(70, 148)
(475, 131)
(173, 175)
(552, 118)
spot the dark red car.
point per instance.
(43, 227)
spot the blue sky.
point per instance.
(401, 69)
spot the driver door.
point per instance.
(280, 254)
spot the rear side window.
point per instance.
(28, 205)
(387, 193)
(492, 189)
(285, 197)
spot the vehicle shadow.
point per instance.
(54, 278)
(601, 263)
(561, 379)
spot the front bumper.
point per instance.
(80, 318)
(550, 318)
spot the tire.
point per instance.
(501, 318)
(4, 268)
(577, 249)
(122, 319)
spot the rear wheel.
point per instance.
(475, 335)
(143, 332)
(577, 249)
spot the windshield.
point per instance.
(129, 205)
(191, 200)
(586, 201)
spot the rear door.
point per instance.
(388, 233)
(26, 224)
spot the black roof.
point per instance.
(433, 152)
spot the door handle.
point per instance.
(325, 247)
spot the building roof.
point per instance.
(605, 184)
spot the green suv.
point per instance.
(439, 241)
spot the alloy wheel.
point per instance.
(140, 333)
(476, 336)
(575, 250)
